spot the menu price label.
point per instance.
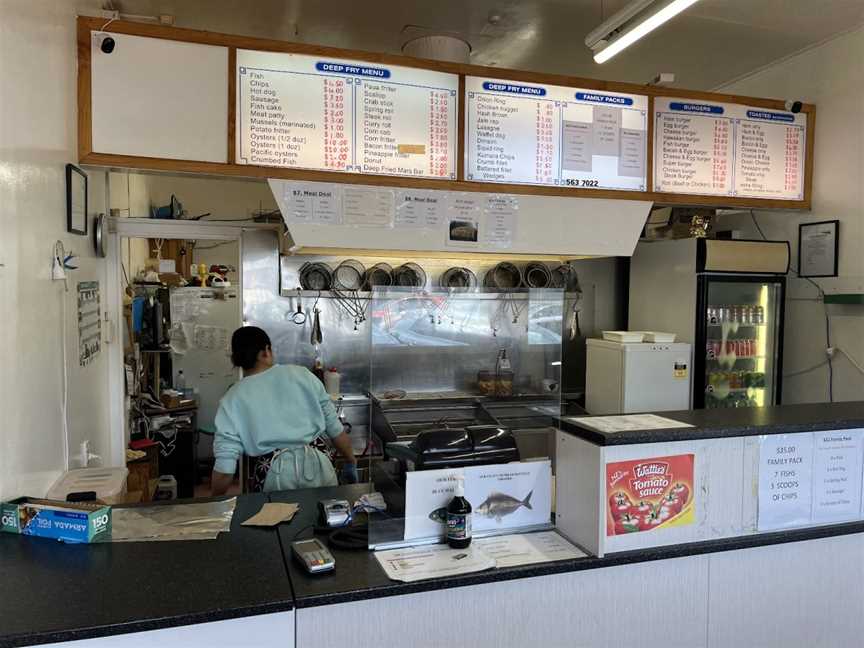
(837, 475)
(552, 135)
(309, 112)
(785, 472)
(720, 149)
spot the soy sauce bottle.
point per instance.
(459, 519)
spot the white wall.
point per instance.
(832, 77)
(37, 139)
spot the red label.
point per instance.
(648, 494)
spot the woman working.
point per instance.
(272, 415)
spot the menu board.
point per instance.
(311, 112)
(810, 478)
(720, 149)
(551, 135)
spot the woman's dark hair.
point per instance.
(246, 343)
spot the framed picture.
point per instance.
(76, 200)
(818, 244)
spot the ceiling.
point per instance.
(713, 42)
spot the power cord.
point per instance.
(829, 350)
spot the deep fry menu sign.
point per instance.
(648, 494)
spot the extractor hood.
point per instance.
(332, 216)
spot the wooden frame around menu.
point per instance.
(87, 155)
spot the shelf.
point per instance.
(735, 390)
(394, 292)
(737, 358)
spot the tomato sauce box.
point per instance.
(648, 494)
(73, 522)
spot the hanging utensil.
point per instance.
(316, 337)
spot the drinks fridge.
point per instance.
(726, 297)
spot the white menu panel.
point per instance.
(720, 149)
(837, 475)
(311, 112)
(785, 481)
(551, 135)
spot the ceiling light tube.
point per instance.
(644, 27)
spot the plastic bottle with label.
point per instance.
(459, 518)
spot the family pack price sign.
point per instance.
(649, 494)
(785, 481)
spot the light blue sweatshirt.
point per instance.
(283, 407)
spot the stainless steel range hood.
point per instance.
(327, 217)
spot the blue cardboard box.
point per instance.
(75, 522)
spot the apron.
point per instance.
(294, 467)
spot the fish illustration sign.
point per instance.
(649, 494)
(504, 497)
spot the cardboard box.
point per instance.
(73, 522)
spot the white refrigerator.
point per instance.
(625, 378)
(202, 322)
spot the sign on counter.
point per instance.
(785, 481)
(720, 149)
(837, 475)
(503, 496)
(314, 112)
(527, 133)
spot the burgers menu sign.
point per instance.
(649, 494)
(720, 149)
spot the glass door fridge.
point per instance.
(739, 340)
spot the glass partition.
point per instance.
(458, 379)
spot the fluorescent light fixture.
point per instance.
(649, 24)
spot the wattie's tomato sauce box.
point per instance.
(648, 494)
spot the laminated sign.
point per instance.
(648, 494)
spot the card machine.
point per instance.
(313, 555)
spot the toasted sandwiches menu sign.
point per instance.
(310, 112)
(720, 149)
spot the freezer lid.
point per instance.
(742, 257)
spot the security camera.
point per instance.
(793, 106)
(106, 43)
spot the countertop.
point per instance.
(723, 423)
(66, 592)
(60, 592)
(358, 576)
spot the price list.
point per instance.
(769, 161)
(785, 484)
(730, 150)
(693, 149)
(337, 148)
(551, 135)
(300, 111)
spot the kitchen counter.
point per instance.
(725, 423)
(358, 576)
(68, 592)
(60, 592)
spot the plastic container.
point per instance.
(624, 336)
(332, 382)
(459, 519)
(166, 488)
(107, 483)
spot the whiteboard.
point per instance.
(310, 112)
(552, 135)
(424, 220)
(721, 149)
(159, 98)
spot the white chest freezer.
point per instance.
(625, 378)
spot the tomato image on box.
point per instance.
(648, 494)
